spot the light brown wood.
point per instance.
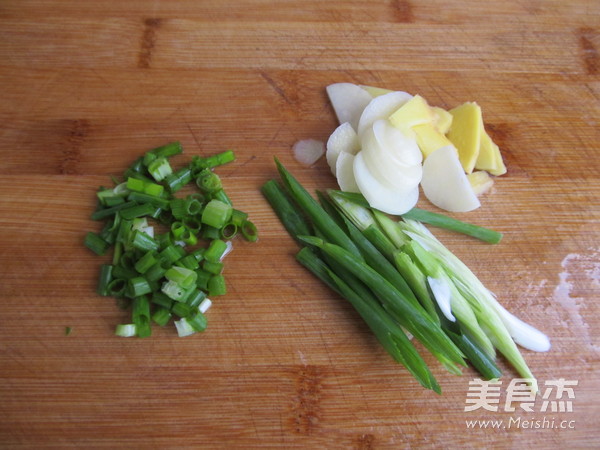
(89, 86)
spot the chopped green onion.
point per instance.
(122, 269)
(95, 243)
(188, 237)
(141, 316)
(222, 196)
(205, 305)
(216, 286)
(132, 212)
(126, 330)
(216, 214)
(185, 278)
(160, 168)
(143, 241)
(141, 198)
(179, 179)
(202, 279)
(195, 298)
(214, 160)
(178, 208)
(111, 229)
(138, 165)
(135, 184)
(164, 240)
(197, 321)
(108, 212)
(214, 268)
(249, 231)
(210, 233)
(145, 187)
(174, 290)
(177, 228)
(181, 309)
(172, 253)
(215, 251)
(238, 217)
(189, 262)
(149, 158)
(193, 224)
(157, 275)
(184, 328)
(156, 271)
(208, 181)
(198, 254)
(139, 286)
(168, 150)
(161, 316)
(192, 206)
(116, 288)
(161, 299)
(104, 279)
(146, 262)
(229, 231)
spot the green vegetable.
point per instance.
(249, 231)
(126, 330)
(216, 213)
(321, 220)
(288, 213)
(485, 307)
(449, 223)
(397, 275)
(157, 274)
(387, 331)
(95, 243)
(413, 318)
(213, 161)
(428, 217)
(482, 362)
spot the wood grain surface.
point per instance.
(88, 86)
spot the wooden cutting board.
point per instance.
(88, 86)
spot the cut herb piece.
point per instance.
(157, 275)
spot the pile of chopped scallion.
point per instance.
(403, 281)
(168, 250)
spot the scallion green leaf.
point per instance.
(155, 274)
(216, 214)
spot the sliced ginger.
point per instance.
(465, 133)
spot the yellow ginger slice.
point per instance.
(465, 133)
(489, 157)
(429, 139)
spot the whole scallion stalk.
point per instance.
(469, 321)
(387, 331)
